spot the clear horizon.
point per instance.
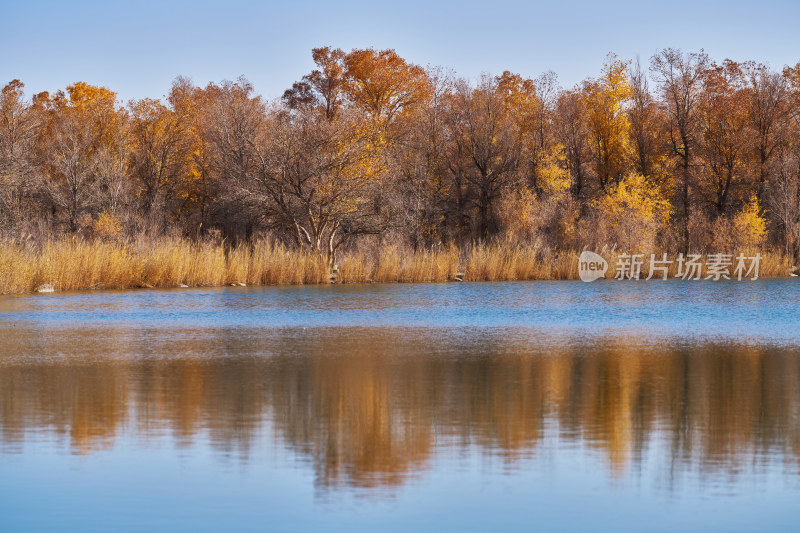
(137, 49)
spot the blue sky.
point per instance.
(137, 48)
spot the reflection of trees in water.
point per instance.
(370, 408)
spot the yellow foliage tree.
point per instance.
(750, 224)
(554, 178)
(609, 126)
(158, 150)
(527, 102)
(383, 84)
(634, 210)
(190, 106)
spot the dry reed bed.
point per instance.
(77, 264)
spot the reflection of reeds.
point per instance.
(71, 264)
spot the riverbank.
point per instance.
(81, 265)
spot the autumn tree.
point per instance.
(572, 134)
(680, 78)
(83, 128)
(783, 191)
(529, 103)
(608, 122)
(368, 143)
(783, 199)
(768, 110)
(323, 86)
(635, 210)
(237, 123)
(426, 206)
(158, 154)
(645, 117)
(19, 126)
(196, 190)
(485, 148)
(383, 84)
(541, 152)
(723, 117)
(316, 180)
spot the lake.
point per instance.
(533, 406)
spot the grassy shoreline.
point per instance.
(83, 265)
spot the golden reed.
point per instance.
(74, 264)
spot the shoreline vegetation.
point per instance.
(77, 264)
(370, 168)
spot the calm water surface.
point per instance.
(542, 406)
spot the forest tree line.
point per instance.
(682, 154)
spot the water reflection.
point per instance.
(372, 407)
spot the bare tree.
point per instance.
(723, 117)
(768, 113)
(680, 77)
(317, 180)
(572, 133)
(485, 152)
(419, 158)
(547, 89)
(784, 201)
(71, 181)
(323, 86)
(644, 120)
(20, 122)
